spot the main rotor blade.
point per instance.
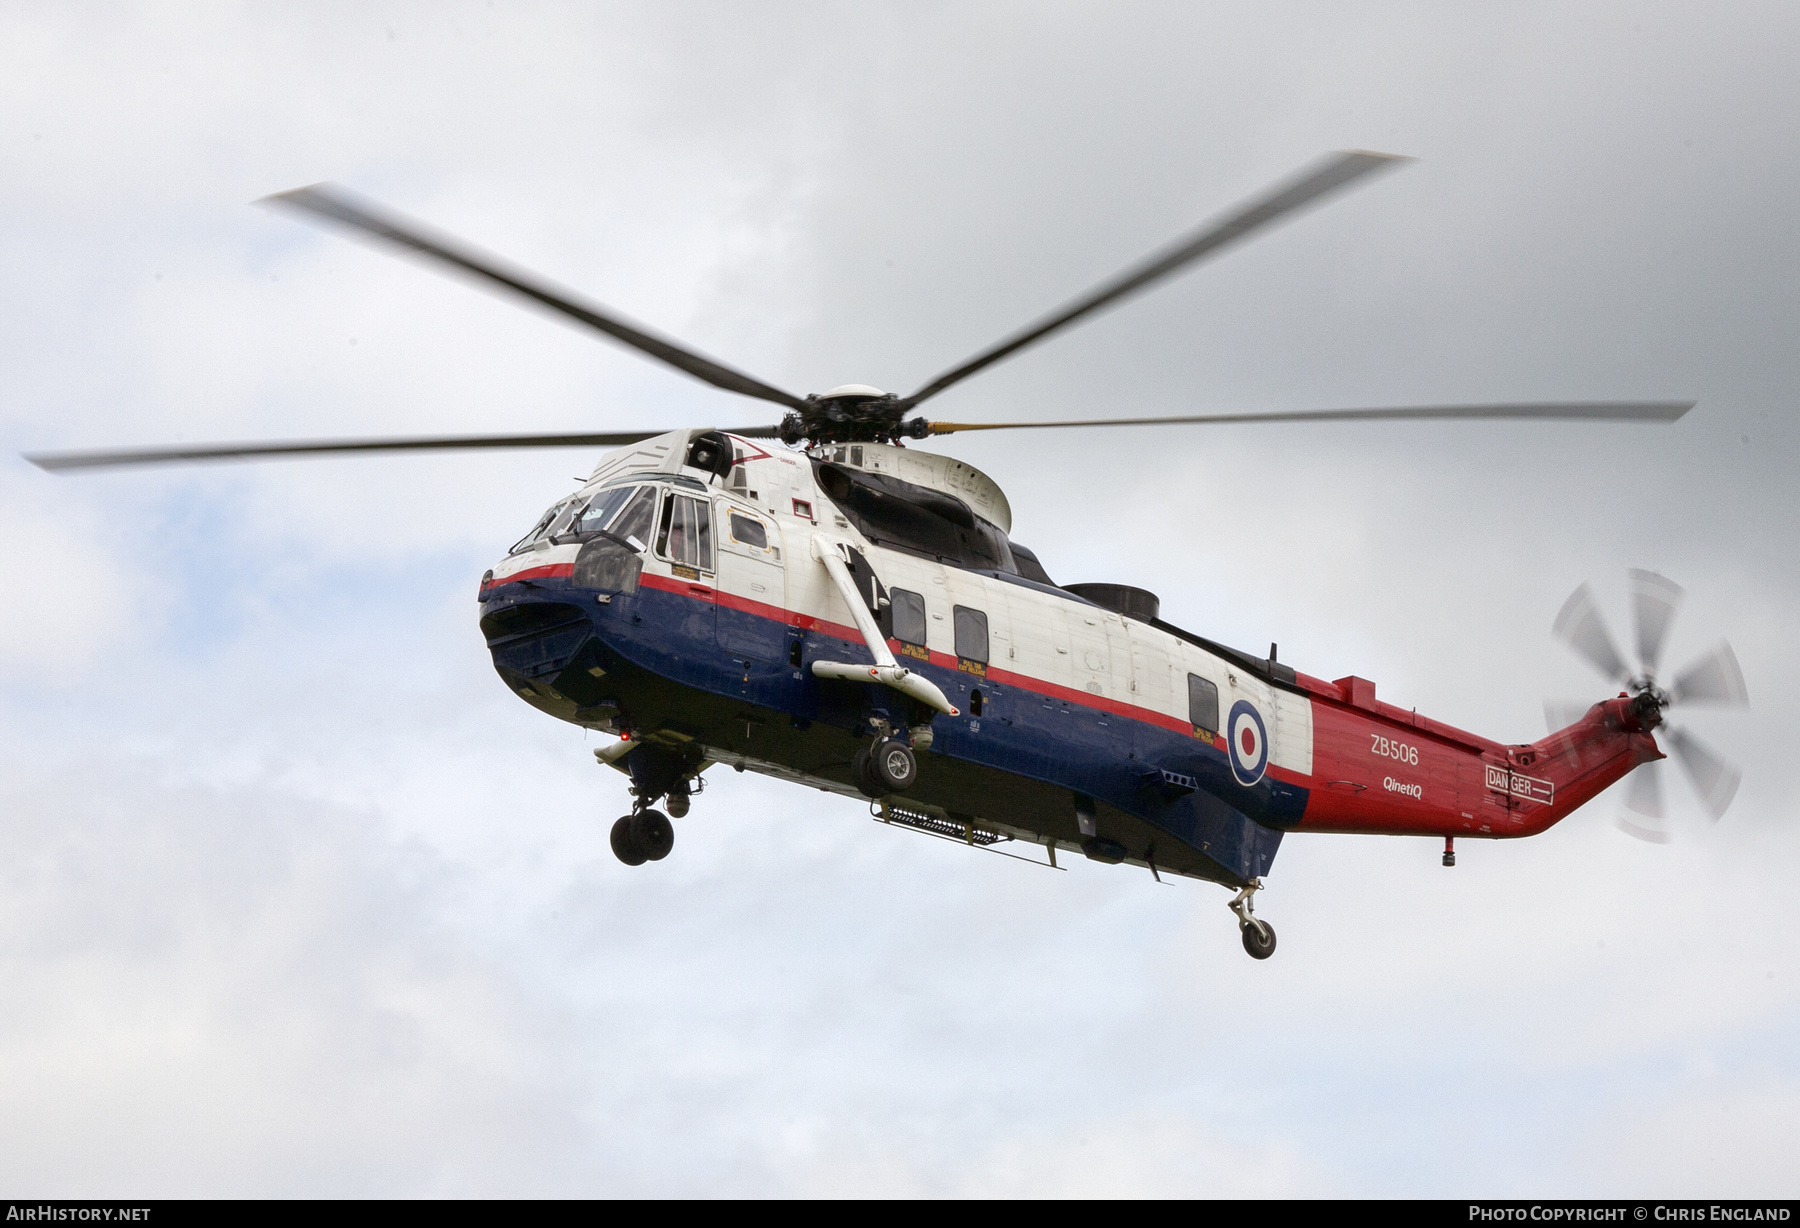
(1645, 797)
(1714, 778)
(1610, 411)
(63, 462)
(1713, 679)
(1332, 173)
(1580, 626)
(1654, 600)
(333, 203)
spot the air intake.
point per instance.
(1138, 603)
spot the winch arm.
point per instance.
(886, 670)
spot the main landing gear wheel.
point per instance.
(888, 767)
(893, 766)
(1259, 939)
(645, 836)
(861, 777)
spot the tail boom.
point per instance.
(1381, 770)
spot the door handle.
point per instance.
(700, 589)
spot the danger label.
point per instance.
(1529, 788)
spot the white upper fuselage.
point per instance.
(1056, 645)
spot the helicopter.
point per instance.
(816, 601)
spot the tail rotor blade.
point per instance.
(1713, 777)
(1654, 600)
(1714, 679)
(1646, 796)
(1559, 714)
(1580, 626)
(1645, 800)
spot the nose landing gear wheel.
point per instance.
(645, 836)
(625, 845)
(1259, 939)
(652, 832)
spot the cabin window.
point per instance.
(908, 612)
(1203, 703)
(685, 535)
(749, 531)
(971, 634)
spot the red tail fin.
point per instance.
(1572, 765)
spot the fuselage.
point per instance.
(693, 624)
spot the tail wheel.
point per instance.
(624, 844)
(651, 833)
(1259, 939)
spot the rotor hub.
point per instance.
(851, 413)
(1644, 688)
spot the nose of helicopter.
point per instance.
(549, 654)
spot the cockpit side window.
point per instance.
(685, 534)
(538, 529)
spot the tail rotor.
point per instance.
(1713, 678)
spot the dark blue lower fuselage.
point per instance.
(706, 675)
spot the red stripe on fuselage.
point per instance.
(550, 571)
(1452, 801)
(1025, 682)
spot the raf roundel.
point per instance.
(1249, 742)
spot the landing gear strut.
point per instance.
(656, 773)
(1259, 936)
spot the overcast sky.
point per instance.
(296, 898)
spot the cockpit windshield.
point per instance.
(601, 509)
(624, 511)
(633, 524)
